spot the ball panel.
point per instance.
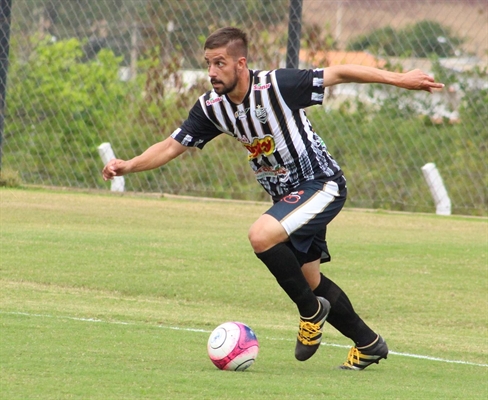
(243, 360)
(247, 337)
(217, 338)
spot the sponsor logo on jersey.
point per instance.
(265, 172)
(260, 86)
(241, 114)
(265, 145)
(261, 114)
(210, 102)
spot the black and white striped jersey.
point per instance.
(283, 149)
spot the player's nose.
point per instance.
(212, 72)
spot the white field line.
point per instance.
(207, 331)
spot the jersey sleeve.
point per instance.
(301, 88)
(197, 130)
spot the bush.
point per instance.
(422, 39)
(57, 109)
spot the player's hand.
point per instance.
(418, 80)
(114, 168)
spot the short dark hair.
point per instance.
(233, 38)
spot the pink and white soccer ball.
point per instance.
(233, 346)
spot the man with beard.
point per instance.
(264, 110)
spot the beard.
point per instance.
(225, 87)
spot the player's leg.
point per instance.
(268, 237)
(369, 346)
(342, 315)
(298, 217)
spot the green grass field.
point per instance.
(113, 297)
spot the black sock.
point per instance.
(284, 266)
(342, 315)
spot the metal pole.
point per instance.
(294, 34)
(5, 17)
(339, 17)
(133, 50)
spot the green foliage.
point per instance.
(422, 39)
(254, 16)
(430, 37)
(60, 109)
(382, 156)
(474, 116)
(64, 104)
(474, 107)
(9, 178)
(383, 41)
(170, 24)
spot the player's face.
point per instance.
(222, 70)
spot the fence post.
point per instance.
(437, 189)
(294, 34)
(107, 154)
(5, 17)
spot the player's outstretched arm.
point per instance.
(155, 156)
(411, 80)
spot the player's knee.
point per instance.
(265, 233)
(262, 239)
(257, 239)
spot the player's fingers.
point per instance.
(107, 175)
(435, 85)
(108, 171)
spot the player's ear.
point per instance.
(242, 63)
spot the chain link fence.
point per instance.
(126, 72)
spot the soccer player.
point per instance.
(264, 110)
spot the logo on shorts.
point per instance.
(293, 197)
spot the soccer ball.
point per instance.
(233, 346)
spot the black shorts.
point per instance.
(305, 214)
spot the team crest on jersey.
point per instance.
(261, 114)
